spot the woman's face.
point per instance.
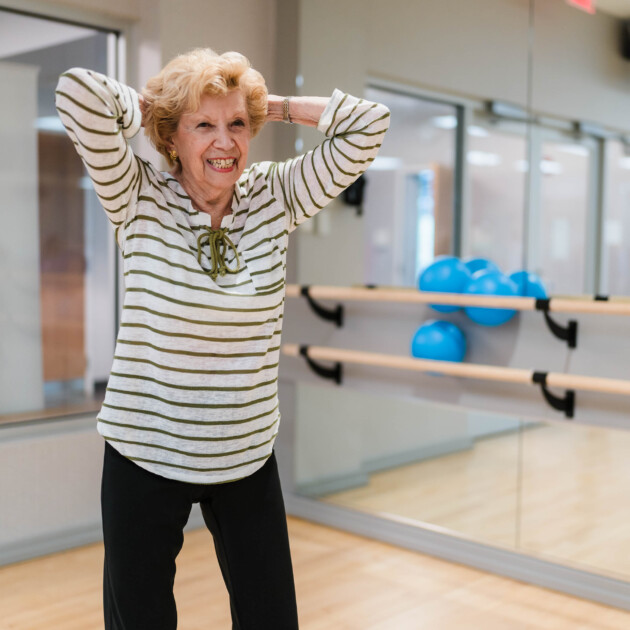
(213, 142)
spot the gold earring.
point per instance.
(173, 155)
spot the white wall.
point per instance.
(578, 70)
(49, 487)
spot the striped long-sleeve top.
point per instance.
(192, 393)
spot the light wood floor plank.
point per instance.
(344, 582)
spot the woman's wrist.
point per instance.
(274, 108)
(303, 110)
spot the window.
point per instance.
(57, 287)
(565, 208)
(616, 221)
(408, 213)
(435, 190)
(496, 163)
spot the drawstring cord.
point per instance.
(219, 243)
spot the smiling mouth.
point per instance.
(222, 164)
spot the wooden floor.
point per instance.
(559, 491)
(344, 582)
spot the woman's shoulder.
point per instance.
(159, 185)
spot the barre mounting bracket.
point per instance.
(566, 333)
(334, 314)
(335, 373)
(565, 404)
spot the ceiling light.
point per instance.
(483, 158)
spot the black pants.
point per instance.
(143, 518)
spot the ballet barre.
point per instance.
(569, 382)
(599, 305)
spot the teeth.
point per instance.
(222, 163)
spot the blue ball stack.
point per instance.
(440, 341)
(444, 341)
(446, 274)
(488, 282)
(480, 264)
(529, 284)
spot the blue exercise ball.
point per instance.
(447, 274)
(440, 341)
(490, 283)
(480, 264)
(529, 284)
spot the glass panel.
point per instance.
(428, 463)
(408, 213)
(497, 171)
(575, 487)
(616, 225)
(58, 255)
(565, 168)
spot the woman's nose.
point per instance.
(223, 139)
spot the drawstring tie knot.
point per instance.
(219, 243)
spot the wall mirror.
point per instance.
(509, 141)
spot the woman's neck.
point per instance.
(216, 203)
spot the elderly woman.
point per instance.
(191, 409)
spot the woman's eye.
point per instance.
(239, 122)
(203, 124)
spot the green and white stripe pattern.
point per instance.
(192, 393)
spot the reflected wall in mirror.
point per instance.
(481, 162)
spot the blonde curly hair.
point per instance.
(178, 89)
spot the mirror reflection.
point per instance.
(530, 169)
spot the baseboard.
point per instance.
(331, 485)
(416, 455)
(50, 543)
(69, 539)
(440, 543)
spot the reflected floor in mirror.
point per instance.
(567, 500)
(344, 582)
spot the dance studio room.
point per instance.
(328, 293)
